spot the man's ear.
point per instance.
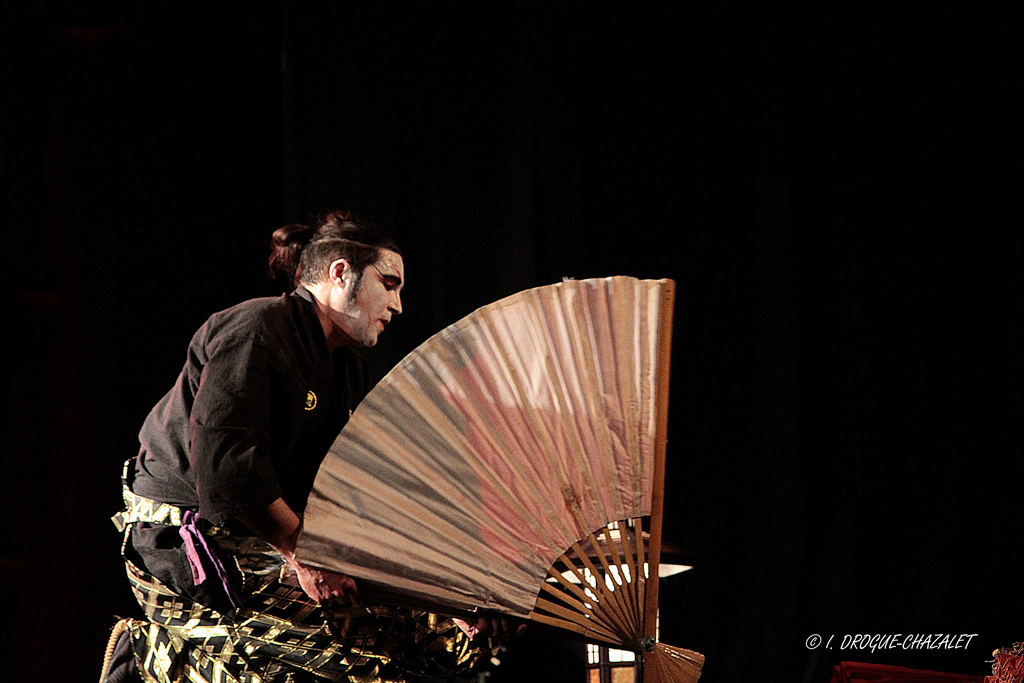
(337, 271)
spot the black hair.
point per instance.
(301, 254)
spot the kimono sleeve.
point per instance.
(230, 440)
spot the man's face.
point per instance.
(371, 300)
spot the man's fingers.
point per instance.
(342, 588)
(467, 628)
(352, 590)
(324, 586)
(491, 626)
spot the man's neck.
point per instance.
(321, 302)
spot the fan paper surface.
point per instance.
(493, 458)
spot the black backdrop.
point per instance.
(836, 192)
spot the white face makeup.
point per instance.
(363, 305)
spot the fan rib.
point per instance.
(607, 602)
(618, 597)
(574, 589)
(660, 443)
(634, 550)
(577, 623)
(622, 560)
(582, 614)
(668, 664)
(591, 605)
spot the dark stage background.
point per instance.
(836, 192)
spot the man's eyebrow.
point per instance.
(389, 276)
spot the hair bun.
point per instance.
(338, 217)
(286, 247)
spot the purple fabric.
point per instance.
(195, 548)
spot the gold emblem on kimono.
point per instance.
(310, 400)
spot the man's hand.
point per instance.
(490, 625)
(279, 526)
(323, 585)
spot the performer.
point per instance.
(215, 496)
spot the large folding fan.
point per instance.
(506, 464)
